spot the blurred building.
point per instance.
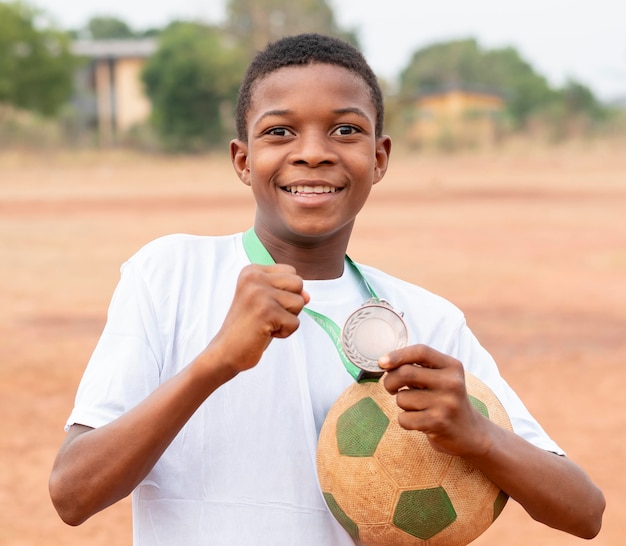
(455, 116)
(109, 95)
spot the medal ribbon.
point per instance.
(258, 254)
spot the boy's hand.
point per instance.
(266, 305)
(430, 387)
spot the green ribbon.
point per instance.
(258, 254)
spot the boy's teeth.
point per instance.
(311, 189)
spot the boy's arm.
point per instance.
(551, 488)
(97, 467)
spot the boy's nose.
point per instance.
(313, 150)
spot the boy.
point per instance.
(191, 404)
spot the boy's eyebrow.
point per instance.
(271, 113)
(351, 110)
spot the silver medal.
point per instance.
(373, 330)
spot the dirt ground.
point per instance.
(531, 245)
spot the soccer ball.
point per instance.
(388, 486)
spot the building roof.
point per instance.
(115, 49)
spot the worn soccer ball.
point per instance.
(388, 486)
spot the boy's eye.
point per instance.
(279, 131)
(344, 130)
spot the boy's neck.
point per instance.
(312, 260)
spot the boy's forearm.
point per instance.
(551, 488)
(97, 467)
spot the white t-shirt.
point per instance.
(243, 469)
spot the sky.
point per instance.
(583, 40)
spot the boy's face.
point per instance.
(312, 155)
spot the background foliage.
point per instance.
(36, 66)
(192, 79)
(254, 23)
(528, 95)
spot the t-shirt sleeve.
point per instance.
(465, 347)
(125, 365)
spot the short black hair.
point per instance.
(299, 50)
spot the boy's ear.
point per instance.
(239, 159)
(383, 149)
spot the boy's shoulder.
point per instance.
(399, 293)
(181, 250)
(185, 243)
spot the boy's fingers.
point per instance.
(306, 296)
(421, 367)
(283, 277)
(288, 325)
(292, 302)
(420, 354)
(407, 376)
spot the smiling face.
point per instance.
(311, 156)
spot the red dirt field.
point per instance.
(532, 246)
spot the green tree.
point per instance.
(255, 23)
(36, 65)
(578, 99)
(574, 112)
(526, 91)
(465, 64)
(441, 65)
(108, 28)
(191, 80)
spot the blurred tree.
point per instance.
(192, 80)
(574, 112)
(463, 63)
(441, 65)
(580, 100)
(255, 23)
(526, 91)
(149, 33)
(108, 28)
(36, 65)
